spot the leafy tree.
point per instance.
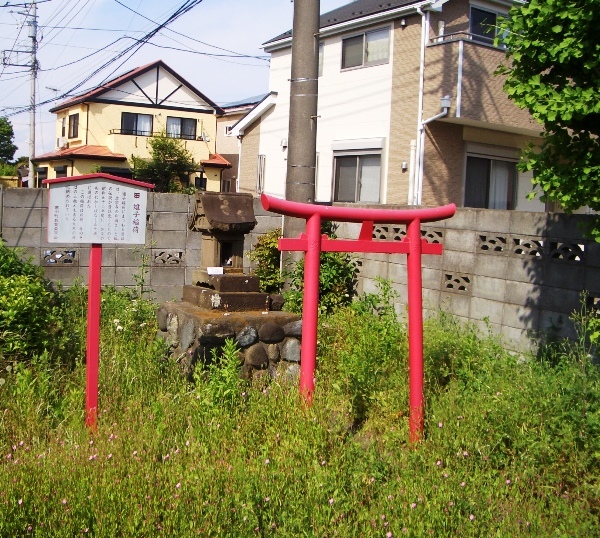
(7, 135)
(553, 48)
(169, 162)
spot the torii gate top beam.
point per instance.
(356, 214)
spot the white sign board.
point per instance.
(97, 211)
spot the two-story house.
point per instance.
(409, 112)
(101, 129)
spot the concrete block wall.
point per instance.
(167, 259)
(518, 274)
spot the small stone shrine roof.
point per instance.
(218, 212)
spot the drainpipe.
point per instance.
(87, 122)
(411, 171)
(414, 177)
(418, 193)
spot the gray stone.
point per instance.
(247, 336)
(215, 333)
(186, 337)
(257, 356)
(173, 326)
(292, 373)
(293, 329)
(273, 352)
(246, 372)
(277, 302)
(291, 350)
(162, 315)
(271, 332)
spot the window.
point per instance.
(42, 173)
(357, 178)
(136, 124)
(490, 183)
(73, 125)
(181, 128)
(226, 185)
(260, 174)
(63, 127)
(60, 171)
(371, 48)
(483, 25)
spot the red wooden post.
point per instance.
(415, 330)
(93, 336)
(310, 307)
(313, 244)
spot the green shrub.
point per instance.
(30, 321)
(337, 279)
(267, 258)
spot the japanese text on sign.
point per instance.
(93, 211)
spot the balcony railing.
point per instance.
(182, 136)
(465, 36)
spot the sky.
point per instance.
(216, 47)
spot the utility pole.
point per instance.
(302, 134)
(31, 22)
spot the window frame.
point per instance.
(365, 62)
(182, 120)
(512, 200)
(485, 39)
(74, 125)
(136, 131)
(358, 155)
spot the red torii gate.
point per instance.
(313, 244)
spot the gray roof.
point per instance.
(351, 11)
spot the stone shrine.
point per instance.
(223, 302)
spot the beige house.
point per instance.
(227, 146)
(101, 129)
(410, 111)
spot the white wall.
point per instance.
(352, 104)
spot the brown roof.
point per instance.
(81, 152)
(97, 92)
(215, 159)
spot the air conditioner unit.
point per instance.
(61, 142)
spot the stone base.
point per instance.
(227, 282)
(268, 341)
(234, 301)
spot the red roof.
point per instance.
(82, 152)
(215, 159)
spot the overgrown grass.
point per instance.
(511, 446)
